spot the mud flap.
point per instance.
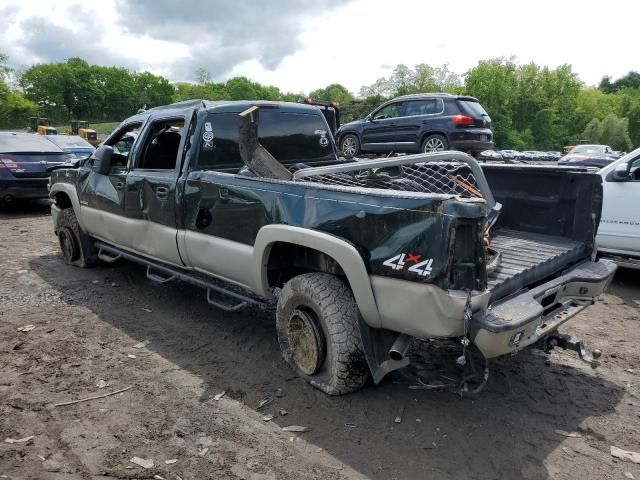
(377, 342)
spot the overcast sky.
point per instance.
(300, 45)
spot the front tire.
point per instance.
(350, 146)
(317, 321)
(435, 143)
(76, 246)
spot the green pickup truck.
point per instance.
(249, 201)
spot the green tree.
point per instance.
(333, 93)
(633, 115)
(203, 76)
(14, 108)
(151, 90)
(612, 131)
(241, 88)
(495, 83)
(630, 80)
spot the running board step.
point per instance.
(162, 274)
(107, 257)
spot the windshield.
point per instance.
(69, 141)
(588, 149)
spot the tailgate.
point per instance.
(548, 223)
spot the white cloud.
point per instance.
(353, 44)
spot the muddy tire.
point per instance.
(318, 332)
(76, 246)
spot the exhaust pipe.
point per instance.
(400, 347)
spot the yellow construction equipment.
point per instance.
(41, 126)
(81, 128)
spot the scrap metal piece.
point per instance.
(254, 155)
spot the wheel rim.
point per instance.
(434, 145)
(68, 244)
(349, 146)
(306, 342)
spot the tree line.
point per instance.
(532, 107)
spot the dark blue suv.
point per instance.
(424, 122)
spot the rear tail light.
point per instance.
(463, 120)
(8, 164)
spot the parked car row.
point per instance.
(516, 155)
(25, 159)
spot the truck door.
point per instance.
(102, 196)
(619, 230)
(150, 198)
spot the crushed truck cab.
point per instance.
(249, 201)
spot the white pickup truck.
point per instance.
(619, 232)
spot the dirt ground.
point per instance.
(88, 324)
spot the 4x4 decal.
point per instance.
(421, 267)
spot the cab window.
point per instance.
(390, 111)
(290, 137)
(122, 144)
(423, 107)
(161, 145)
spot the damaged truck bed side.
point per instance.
(249, 201)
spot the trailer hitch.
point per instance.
(567, 342)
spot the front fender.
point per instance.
(71, 192)
(341, 251)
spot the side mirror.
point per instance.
(369, 118)
(102, 159)
(620, 174)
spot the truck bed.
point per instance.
(528, 258)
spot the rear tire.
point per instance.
(319, 334)
(76, 246)
(350, 146)
(435, 143)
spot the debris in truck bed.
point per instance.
(142, 344)
(220, 395)
(26, 328)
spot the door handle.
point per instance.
(119, 186)
(162, 193)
